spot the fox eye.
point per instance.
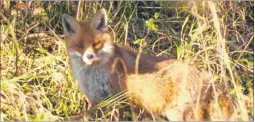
(97, 45)
(79, 45)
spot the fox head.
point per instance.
(89, 41)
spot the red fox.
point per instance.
(92, 53)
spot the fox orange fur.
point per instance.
(179, 91)
(170, 91)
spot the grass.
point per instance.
(37, 84)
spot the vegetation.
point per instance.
(37, 83)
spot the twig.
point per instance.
(124, 68)
(78, 10)
(140, 52)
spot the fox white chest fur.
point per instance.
(92, 80)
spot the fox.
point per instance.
(93, 54)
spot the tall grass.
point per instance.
(37, 83)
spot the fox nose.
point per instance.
(90, 56)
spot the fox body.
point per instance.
(179, 91)
(92, 53)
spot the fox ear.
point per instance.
(70, 25)
(99, 21)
